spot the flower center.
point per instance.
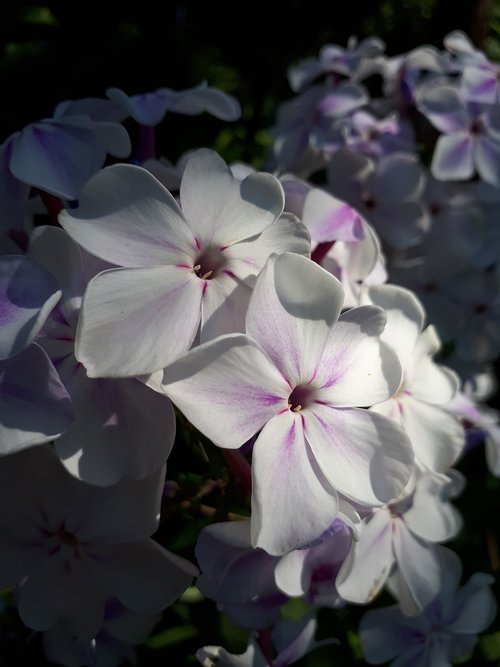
(209, 264)
(300, 398)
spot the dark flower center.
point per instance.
(209, 264)
(300, 398)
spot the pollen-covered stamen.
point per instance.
(209, 264)
(300, 398)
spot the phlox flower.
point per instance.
(470, 139)
(446, 630)
(149, 109)
(34, 405)
(185, 269)
(385, 194)
(419, 403)
(70, 546)
(402, 535)
(121, 426)
(296, 376)
(290, 640)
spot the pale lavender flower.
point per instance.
(445, 631)
(297, 375)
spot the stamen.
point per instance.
(206, 275)
(197, 267)
(297, 408)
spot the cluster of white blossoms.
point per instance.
(296, 326)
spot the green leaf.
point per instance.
(171, 636)
(490, 646)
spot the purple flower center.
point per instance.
(300, 398)
(209, 264)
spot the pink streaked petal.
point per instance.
(223, 210)
(126, 217)
(228, 388)
(369, 562)
(136, 321)
(224, 306)
(292, 503)
(287, 234)
(293, 307)
(329, 219)
(453, 157)
(122, 428)
(365, 456)
(357, 368)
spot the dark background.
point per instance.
(57, 50)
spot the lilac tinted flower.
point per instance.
(149, 109)
(445, 631)
(385, 194)
(358, 61)
(402, 535)
(297, 375)
(420, 401)
(60, 155)
(469, 140)
(291, 640)
(71, 546)
(375, 138)
(239, 578)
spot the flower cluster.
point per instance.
(329, 325)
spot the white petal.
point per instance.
(386, 633)
(292, 503)
(203, 98)
(228, 388)
(223, 210)
(122, 428)
(419, 566)
(405, 318)
(224, 307)
(286, 234)
(437, 437)
(357, 368)
(135, 321)
(474, 607)
(293, 307)
(289, 573)
(365, 456)
(369, 562)
(430, 516)
(444, 107)
(398, 178)
(126, 217)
